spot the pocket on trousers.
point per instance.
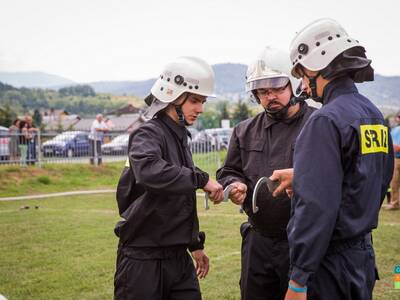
(244, 229)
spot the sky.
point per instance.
(93, 40)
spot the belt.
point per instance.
(144, 253)
(278, 235)
(364, 241)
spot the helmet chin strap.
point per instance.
(281, 114)
(179, 112)
(313, 86)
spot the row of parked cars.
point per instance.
(68, 144)
(76, 143)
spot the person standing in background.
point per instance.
(14, 132)
(97, 130)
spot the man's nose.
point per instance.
(304, 86)
(200, 108)
(270, 96)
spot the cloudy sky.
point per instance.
(131, 40)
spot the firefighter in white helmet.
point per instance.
(258, 146)
(160, 223)
(343, 163)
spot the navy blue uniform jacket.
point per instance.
(343, 164)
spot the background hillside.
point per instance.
(384, 91)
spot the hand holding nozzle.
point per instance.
(236, 190)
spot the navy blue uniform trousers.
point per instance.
(346, 272)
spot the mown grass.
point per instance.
(17, 181)
(66, 249)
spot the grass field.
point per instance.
(66, 248)
(17, 181)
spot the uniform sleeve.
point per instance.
(317, 185)
(153, 172)
(231, 170)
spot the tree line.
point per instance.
(83, 100)
(80, 99)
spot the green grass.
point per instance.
(17, 181)
(66, 249)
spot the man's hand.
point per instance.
(285, 178)
(201, 262)
(292, 295)
(238, 192)
(215, 191)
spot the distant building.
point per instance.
(123, 123)
(58, 120)
(128, 109)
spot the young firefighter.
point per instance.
(161, 224)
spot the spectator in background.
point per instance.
(395, 184)
(23, 142)
(97, 130)
(13, 143)
(30, 140)
(110, 125)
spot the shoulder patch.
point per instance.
(374, 138)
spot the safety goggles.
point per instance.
(275, 91)
(267, 83)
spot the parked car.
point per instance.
(211, 140)
(221, 135)
(69, 144)
(4, 140)
(119, 145)
(202, 142)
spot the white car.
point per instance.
(118, 146)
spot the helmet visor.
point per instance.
(267, 83)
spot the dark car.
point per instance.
(118, 146)
(69, 144)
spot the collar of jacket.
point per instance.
(337, 87)
(180, 131)
(269, 121)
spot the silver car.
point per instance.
(118, 146)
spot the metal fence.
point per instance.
(76, 147)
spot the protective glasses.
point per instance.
(275, 91)
(266, 83)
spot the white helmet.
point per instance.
(184, 74)
(271, 70)
(317, 44)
